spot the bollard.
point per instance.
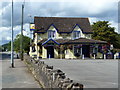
(114, 56)
(94, 56)
(61, 56)
(104, 56)
(83, 56)
(49, 56)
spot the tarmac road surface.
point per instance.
(90, 73)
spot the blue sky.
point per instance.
(94, 9)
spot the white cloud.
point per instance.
(79, 8)
(26, 30)
(8, 38)
(91, 1)
(5, 8)
(91, 19)
(114, 24)
(5, 34)
(118, 27)
(94, 9)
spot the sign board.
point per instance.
(32, 27)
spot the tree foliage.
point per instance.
(1, 48)
(6, 46)
(117, 43)
(26, 44)
(103, 31)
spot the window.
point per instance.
(51, 34)
(76, 34)
(33, 49)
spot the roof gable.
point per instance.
(77, 27)
(62, 24)
(50, 40)
(52, 26)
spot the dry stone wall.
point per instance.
(48, 77)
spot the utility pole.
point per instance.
(29, 27)
(21, 41)
(12, 55)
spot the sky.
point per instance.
(95, 10)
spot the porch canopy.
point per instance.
(69, 41)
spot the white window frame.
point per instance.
(49, 31)
(75, 34)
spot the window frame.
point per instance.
(76, 34)
(50, 34)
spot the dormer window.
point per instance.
(76, 34)
(51, 34)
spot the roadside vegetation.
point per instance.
(103, 31)
(26, 44)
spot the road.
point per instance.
(91, 73)
(18, 77)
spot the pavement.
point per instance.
(90, 73)
(18, 77)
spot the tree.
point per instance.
(26, 43)
(6, 46)
(1, 48)
(103, 31)
(117, 43)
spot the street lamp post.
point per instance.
(29, 27)
(12, 55)
(21, 41)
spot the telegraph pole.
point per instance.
(29, 27)
(12, 55)
(21, 41)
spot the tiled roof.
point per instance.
(60, 41)
(84, 40)
(62, 24)
(76, 41)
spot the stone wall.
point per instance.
(48, 77)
